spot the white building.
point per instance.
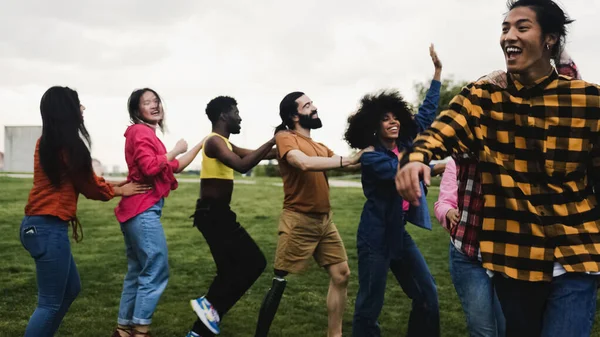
(19, 147)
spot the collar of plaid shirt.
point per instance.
(538, 155)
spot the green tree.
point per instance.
(450, 88)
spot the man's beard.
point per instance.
(307, 122)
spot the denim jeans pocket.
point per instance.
(33, 241)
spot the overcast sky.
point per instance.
(256, 51)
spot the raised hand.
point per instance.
(434, 57)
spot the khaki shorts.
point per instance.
(302, 235)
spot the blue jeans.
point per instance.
(475, 290)
(413, 275)
(147, 266)
(46, 238)
(564, 307)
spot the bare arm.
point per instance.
(216, 148)
(241, 152)
(301, 161)
(272, 154)
(117, 183)
(188, 158)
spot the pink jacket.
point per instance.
(448, 197)
(147, 163)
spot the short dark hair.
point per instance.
(550, 17)
(133, 106)
(219, 105)
(287, 109)
(364, 123)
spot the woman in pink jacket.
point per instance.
(458, 210)
(146, 247)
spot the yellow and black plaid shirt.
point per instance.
(539, 154)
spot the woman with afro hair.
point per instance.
(385, 121)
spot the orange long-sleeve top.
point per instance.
(46, 199)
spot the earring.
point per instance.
(547, 46)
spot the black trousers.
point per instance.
(239, 260)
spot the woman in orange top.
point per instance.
(62, 170)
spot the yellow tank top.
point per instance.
(213, 168)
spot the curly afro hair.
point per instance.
(364, 123)
(218, 106)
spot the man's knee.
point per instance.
(340, 275)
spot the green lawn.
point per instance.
(102, 265)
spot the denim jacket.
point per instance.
(382, 220)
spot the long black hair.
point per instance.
(133, 106)
(287, 109)
(551, 18)
(364, 123)
(65, 142)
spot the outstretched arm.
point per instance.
(301, 161)
(186, 159)
(428, 110)
(272, 154)
(216, 147)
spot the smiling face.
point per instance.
(307, 116)
(524, 44)
(306, 107)
(150, 108)
(389, 127)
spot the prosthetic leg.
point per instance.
(270, 304)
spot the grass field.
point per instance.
(102, 265)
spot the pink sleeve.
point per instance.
(448, 197)
(145, 153)
(174, 164)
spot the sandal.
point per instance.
(140, 334)
(117, 334)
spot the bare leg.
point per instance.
(336, 297)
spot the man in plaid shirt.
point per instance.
(537, 142)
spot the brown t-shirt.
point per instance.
(305, 192)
